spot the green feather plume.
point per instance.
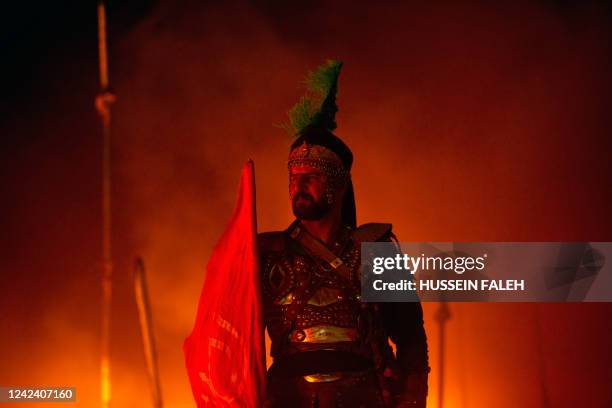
(318, 107)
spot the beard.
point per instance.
(305, 207)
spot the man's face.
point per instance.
(307, 187)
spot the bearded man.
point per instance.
(330, 349)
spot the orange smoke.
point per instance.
(468, 123)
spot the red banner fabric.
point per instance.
(225, 352)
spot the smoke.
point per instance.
(467, 122)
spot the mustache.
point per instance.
(304, 195)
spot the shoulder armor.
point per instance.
(273, 241)
(372, 232)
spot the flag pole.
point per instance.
(103, 102)
(146, 329)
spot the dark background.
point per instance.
(469, 122)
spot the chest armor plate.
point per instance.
(309, 302)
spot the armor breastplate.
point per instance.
(308, 305)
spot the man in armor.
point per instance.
(329, 349)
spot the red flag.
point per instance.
(225, 352)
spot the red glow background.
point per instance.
(468, 123)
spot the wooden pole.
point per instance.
(146, 329)
(442, 316)
(104, 99)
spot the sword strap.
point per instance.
(317, 248)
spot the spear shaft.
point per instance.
(103, 103)
(442, 316)
(146, 329)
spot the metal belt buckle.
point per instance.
(323, 378)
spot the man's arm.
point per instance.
(404, 325)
